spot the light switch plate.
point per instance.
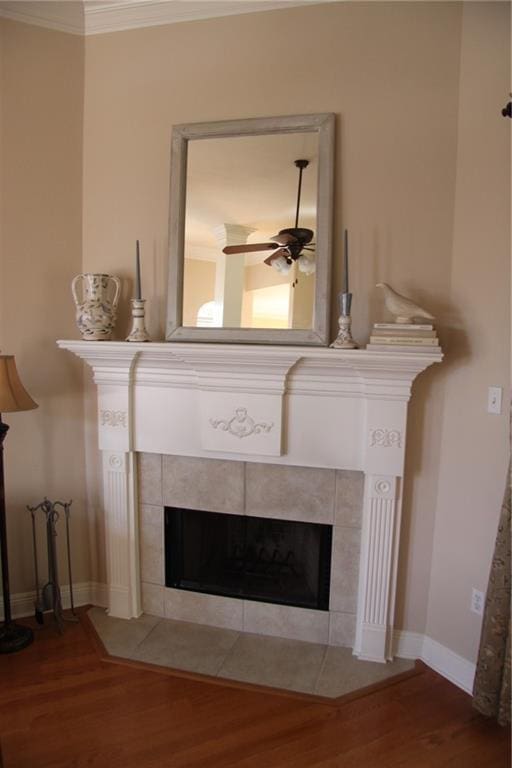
(494, 400)
(477, 602)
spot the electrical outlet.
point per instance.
(494, 400)
(477, 602)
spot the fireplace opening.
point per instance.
(254, 558)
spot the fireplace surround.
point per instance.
(286, 408)
(255, 491)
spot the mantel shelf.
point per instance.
(359, 359)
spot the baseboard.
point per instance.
(95, 593)
(455, 668)
(449, 664)
(99, 594)
(407, 645)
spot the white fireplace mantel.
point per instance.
(303, 406)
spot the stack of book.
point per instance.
(403, 337)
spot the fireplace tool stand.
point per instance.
(48, 597)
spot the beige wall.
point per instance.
(473, 452)
(41, 94)
(371, 64)
(420, 162)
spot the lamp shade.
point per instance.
(13, 395)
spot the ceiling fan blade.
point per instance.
(273, 256)
(284, 238)
(248, 248)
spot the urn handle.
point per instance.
(117, 290)
(74, 284)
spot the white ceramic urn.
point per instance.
(96, 297)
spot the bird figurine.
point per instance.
(403, 308)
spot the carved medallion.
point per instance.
(113, 418)
(382, 487)
(241, 425)
(115, 461)
(385, 438)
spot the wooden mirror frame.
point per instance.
(318, 335)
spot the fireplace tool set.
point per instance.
(48, 597)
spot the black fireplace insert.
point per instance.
(254, 558)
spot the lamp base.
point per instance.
(14, 637)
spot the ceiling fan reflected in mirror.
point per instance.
(288, 245)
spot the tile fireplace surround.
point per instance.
(307, 494)
(302, 433)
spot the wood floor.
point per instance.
(61, 705)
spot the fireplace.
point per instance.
(254, 558)
(327, 420)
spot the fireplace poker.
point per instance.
(49, 596)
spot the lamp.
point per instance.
(13, 397)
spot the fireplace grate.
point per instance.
(254, 558)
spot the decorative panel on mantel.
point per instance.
(301, 406)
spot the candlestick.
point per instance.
(138, 332)
(345, 303)
(138, 283)
(344, 338)
(345, 261)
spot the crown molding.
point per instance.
(117, 15)
(64, 17)
(90, 17)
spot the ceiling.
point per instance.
(250, 181)
(89, 17)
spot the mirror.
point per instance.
(250, 230)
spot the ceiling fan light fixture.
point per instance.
(282, 265)
(306, 264)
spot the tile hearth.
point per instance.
(276, 662)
